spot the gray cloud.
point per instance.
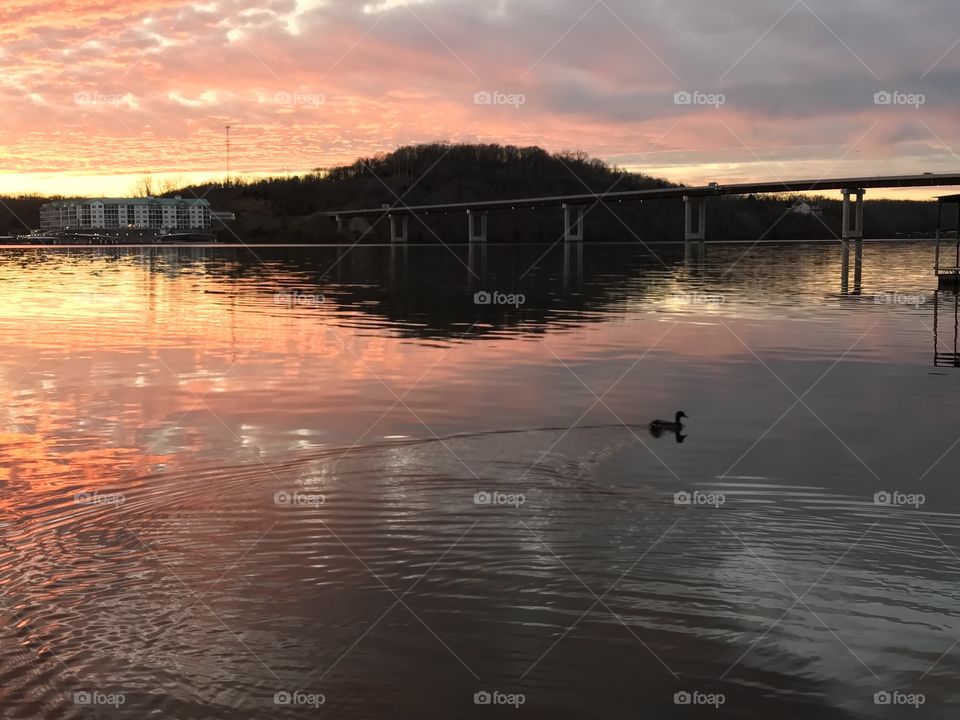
(798, 84)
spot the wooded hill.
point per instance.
(280, 209)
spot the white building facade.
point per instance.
(126, 213)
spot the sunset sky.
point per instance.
(98, 92)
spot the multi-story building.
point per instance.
(126, 213)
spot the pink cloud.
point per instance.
(125, 87)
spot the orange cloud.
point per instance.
(104, 90)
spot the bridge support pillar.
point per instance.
(475, 233)
(854, 230)
(572, 229)
(398, 234)
(688, 210)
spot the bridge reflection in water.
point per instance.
(857, 267)
(428, 291)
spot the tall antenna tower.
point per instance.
(228, 154)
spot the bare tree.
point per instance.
(171, 184)
(143, 186)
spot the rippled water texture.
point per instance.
(232, 478)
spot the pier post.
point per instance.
(339, 220)
(572, 231)
(936, 262)
(702, 218)
(855, 214)
(845, 218)
(688, 210)
(400, 237)
(474, 233)
(858, 229)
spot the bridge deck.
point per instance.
(788, 186)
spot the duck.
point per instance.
(666, 425)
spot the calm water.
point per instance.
(228, 474)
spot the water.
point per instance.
(232, 473)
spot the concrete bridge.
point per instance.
(694, 198)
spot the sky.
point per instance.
(96, 93)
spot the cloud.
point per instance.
(798, 78)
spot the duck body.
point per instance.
(667, 425)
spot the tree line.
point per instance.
(282, 209)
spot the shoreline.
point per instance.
(14, 245)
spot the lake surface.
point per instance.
(288, 482)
